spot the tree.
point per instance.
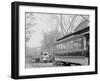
(49, 40)
(51, 37)
(30, 25)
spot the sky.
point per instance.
(39, 23)
(44, 24)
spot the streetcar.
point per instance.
(72, 49)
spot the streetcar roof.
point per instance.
(73, 36)
(75, 33)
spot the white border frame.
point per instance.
(54, 70)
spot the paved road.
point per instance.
(39, 65)
(81, 60)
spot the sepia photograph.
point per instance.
(56, 40)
